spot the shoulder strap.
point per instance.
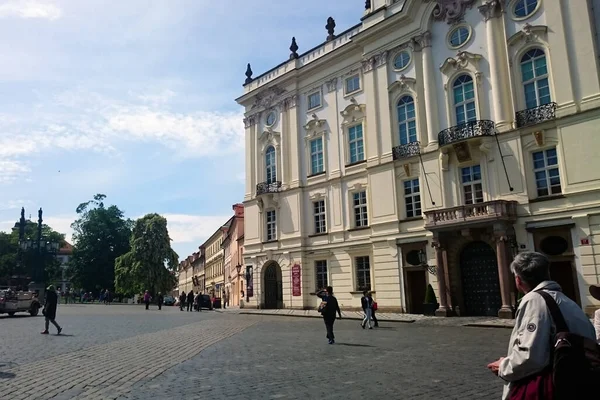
(557, 316)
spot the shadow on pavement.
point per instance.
(353, 344)
(6, 375)
(64, 335)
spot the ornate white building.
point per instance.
(427, 144)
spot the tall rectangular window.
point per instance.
(359, 200)
(412, 198)
(355, 144)
(319, 216)
(271, 225)
(352, 84)
(471, 183)
(547, 176)
(314, 100)
(316, 156)
(321, 274)
(363, 273)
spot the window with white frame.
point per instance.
(407, 121)
(524, 8)
(316, 156)
(271, 225)
(353, 84)
(363, 273)
(359, 205)
(471, 184)
(321, 274)
(547, 176)
(271, 165)
(534, 74)
(463, 91)
(319, 216)
(412, 198)
(356, 148)
(314, 100)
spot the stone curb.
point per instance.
(405, 321)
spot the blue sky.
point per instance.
(135, 99)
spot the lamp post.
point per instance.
(248, 281)
(41, 247)
(423, 260)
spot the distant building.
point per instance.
(64, 255)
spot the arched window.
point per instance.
(407, 124)
(464, 99)
(271, 164)
(534, 74)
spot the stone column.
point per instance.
(492, 12)
(501, 238)
(443, 311)
(429, 79)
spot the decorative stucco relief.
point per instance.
(529, 33)
(463, 61)
(403, 84)
(451, 11)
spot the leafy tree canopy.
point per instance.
(101, 234)
(15, 263)
(151, 262)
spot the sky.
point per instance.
(135, 100)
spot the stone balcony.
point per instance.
(468, 130)
(268, 187)
(536, 115)
(406, 150)
(472, 214)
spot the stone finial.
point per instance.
(367, 4)
(248, 74)
(294, 49)
(330, 28)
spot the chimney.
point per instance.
(238, 210)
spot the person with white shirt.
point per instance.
(595, 292)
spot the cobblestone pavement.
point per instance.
(127, 353)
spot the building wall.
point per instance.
(491, 57)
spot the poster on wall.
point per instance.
(296, 280)
(249, 281)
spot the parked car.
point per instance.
(205, 302)
(12, 301)
(169, 301)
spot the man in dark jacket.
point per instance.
(49, 310)
(159, 300)
(182, 298)
(190, 301)
(329, 308)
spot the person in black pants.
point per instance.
(190, 301)
(159, 300)
(329, 307)
(373, 309)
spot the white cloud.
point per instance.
(195, 229)
(30, 9)
(10, 170)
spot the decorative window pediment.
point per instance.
(270, 138)
(318, 195)
(357, 187)
(539, 139)
(353, 113)
(463, 60)
(529, 33)
(403, 84)
(314, 126)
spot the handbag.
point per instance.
(535, 387)
(374, 306)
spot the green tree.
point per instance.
(101, 234)
(20, 263)
(150, 263)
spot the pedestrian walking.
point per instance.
(147, 299)
(367, 305)
(373, 309)
(527, 368)
(49, 310)
(182, 298)
(190, 301)
(159, 300)
(328, 308)
(198, 302)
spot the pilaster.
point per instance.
(385, 131)
(501, 239)
(429, 79)
(492, 12)
(250, 153)
(370, 127)
(293, 154)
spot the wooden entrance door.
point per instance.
(271, 286)
(562, 273)
(416, 283)
(480, 281)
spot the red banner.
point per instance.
(296, 280)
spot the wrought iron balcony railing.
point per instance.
(471, 129)
(406, 150)
(535, 115)
(473, 213)
(268, 187)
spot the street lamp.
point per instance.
(248, 280)
(40, 246)
(423, 261)
(238, 286)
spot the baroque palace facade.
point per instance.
(427, 144)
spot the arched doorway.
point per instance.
(480, 281)
(273, 288)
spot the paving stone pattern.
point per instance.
(289, 358)
(109, 370)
